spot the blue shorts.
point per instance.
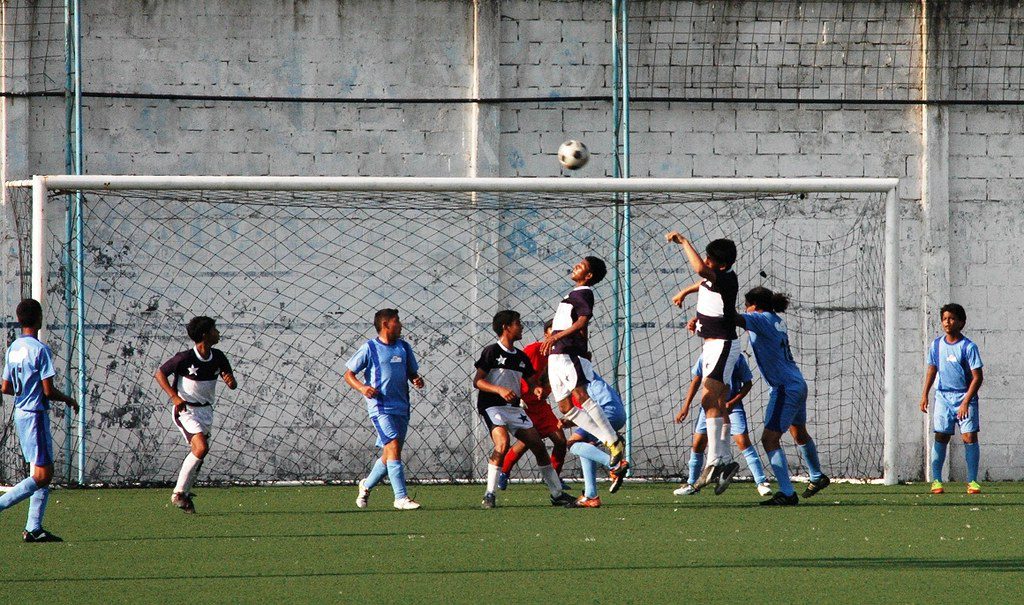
(944, 418)
(737, 421)
(787, 405)
(390, 427)
(34, 434)
(617, 419)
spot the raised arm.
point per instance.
(678, 299)
(696, 262)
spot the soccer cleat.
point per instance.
(973, 488)
(937, 487)
(617, 474)
(725, 477)
(489, 500)
(406, 504)
(585, 502)
(617, 450)
(563, 499)
(708, 476)
(364, 495)
(686, 489)
(565, 486)
(814, 487)
(184, 502)
(781, 499)
(764, 489)
(39, 535)
(502, 481)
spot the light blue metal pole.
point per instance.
(627, 240)
(69, 166)
(80, 248)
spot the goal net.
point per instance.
(293, 279)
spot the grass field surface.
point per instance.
(849, 544)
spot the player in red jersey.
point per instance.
(540, 413)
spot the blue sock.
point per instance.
(396, 473)
(810, 455)
(376, 474)
(938, 459)
(591, 452)
(972, 451)
(753, 463)
(19, 492)
(589, 477)
(696, 466)
(777, 459)
(36, 508)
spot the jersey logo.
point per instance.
(780, 326)
(396, 359)
(18, 355)
(193, 370)
(952, 358)
(501, 360)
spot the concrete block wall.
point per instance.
(550, 49)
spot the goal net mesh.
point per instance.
(293, 280)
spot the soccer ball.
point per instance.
(573, 155)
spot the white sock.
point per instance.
(724, 447)
(584, 421)
(551, 479)
(714, 441)
(492, 478)
(187, 476)
(607, 434)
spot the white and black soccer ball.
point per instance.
(573, 155)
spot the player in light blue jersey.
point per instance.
(742, 380)
(787, 401)
(584, 445)
(28, 375)
(954, 358)
(389, 365)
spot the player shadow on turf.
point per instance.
(324, 534)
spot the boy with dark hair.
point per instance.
(565, 346)
(955, 359)
(390, 366)
(716, 324)
(192, 396)
(28, 375)
(537, 408)
(500, 372)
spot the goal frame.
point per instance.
(42, 184)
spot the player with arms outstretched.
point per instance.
(955, 359)
(787, 401)
(500, 372)
(192, 395)
(565, 346)
(742, 381)
(28, 375)
(716, 324)
(389, 367)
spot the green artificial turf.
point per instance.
(851, 543)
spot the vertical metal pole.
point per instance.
(617, 221)
(80, 248)
(891, 449)
(69, 220)
(627, 235)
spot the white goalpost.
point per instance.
(293, 265)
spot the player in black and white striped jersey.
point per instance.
(716, 324)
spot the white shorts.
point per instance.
(719, 359)
(193, 421)
(512, 417)
(566, 372)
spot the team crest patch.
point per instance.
(396, 359)
(951, 358)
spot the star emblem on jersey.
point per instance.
(698, 325)
(501, 360)
(193, 370)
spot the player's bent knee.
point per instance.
(42, 475)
